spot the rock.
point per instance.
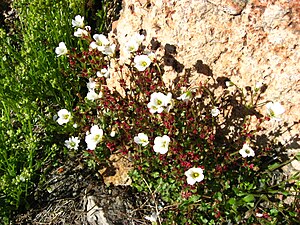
(117, 173)
(95, 214)
(296, 164)
(233, 7)
(259, 44)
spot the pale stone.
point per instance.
(95, 214)
(296, 164)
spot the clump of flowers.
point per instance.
(169, 133)
(92, 95)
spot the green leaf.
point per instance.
(227, 185)
(298, 156)
(218, 196)
(232, 201)
(293, 214)
(194, 198)
(249, 198)
(274, 212)
(155, 174)
(274, 166)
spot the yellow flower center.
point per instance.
(164, 144)
(96, 137)
(195, 175)
(73, 144)
(144, 64)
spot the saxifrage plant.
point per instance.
(198, 153)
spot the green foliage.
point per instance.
(17, 148)
(34, 64)
(108, 12)
(31, 80)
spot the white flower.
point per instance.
(113, 133)
(215, 111)
(95, 136)
(258, 85)
(141, 62)
(259, 215)
(152, 218)
(131, 46)
(169, 102)
(91, 85)
(141, 139)
(246, 151)
(92, 95)
(138, 38)
(64, 116)
(158, 101)
(61, 49)
(109, 50)
(103, 73)
(75, 125)
(151, 56)
(274, 110)
(229, 83)
(80, 33)
(161, 144)
(194, 175)
(78, 21)
(186, 96)
(100, 42)
(72, 143)
(154, 108)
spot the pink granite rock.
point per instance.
(245, 41)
